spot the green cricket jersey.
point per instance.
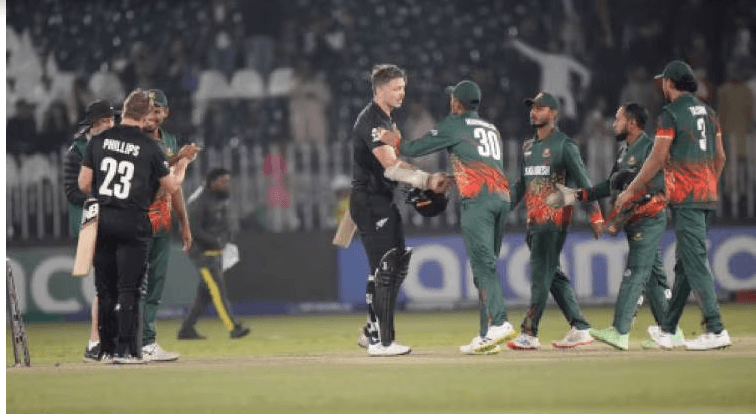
(475, 149)
(631, 157)
(689, 172)
(160, 209)
(546, 162)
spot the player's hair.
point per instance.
(637, 113)
(384, 73)
(137, 105)
(215, 174)
(686, 83)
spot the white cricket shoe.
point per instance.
(678, 339)
(709, 341)
(498, 334)
(379, 350)
(480, 346)
(127, 359)
(524, 342)
(574, 338)
(153, 352)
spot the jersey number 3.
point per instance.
(125, 172)
(489, 143)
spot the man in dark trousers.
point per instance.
(123, 168)
(688, 147)
(100, 116)
(375, 173)
(475, 149)
(211, 227)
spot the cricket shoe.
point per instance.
(663, 340)
(380, 350)
(239, 331)
(524, 342)
(498, 334)
(574, 338)
(92, 354)
(105, 358)
(153, 352)
(128, 359)
(480, 346)
(189, 333)
(709, 341)
(610, 336)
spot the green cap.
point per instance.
(467, 92)
(675, 71)
(158, 98)
(543, 98)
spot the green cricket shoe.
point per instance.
(610, 336)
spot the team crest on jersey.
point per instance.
(433, 132)
(546, 153)
(638, 236)
(631, 160)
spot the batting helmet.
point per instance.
(427, 203)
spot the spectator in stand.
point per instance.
(639, 89)
(309, 103)
(735, 109)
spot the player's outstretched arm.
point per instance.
(171, 184)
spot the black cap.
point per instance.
(97, 110)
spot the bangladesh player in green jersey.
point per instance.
(688, 147)
(644, 225)
(160, 217)
(548, 159)
(475, 149)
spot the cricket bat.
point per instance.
(85, 247)
(345, 231)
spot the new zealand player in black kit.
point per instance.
(376, 170)
(123, 169)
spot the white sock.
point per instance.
(93, 344)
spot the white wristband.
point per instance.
(416, 178)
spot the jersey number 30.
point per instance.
(125, 172)
(489, 143)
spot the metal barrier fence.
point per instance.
(289, 188)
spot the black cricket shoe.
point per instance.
(239, 331)
(189, 334)
(92, 354)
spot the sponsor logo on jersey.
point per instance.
(537, 170)
(697, 110)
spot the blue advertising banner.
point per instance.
(440, 272)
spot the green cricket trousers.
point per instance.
(545, 243)
(691, 272)
(482, 222)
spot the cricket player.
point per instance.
(124, 167)
(475, 149)
(548, 159)
(688, 147)
(376, 171)
(99, 117)
(160, 218)
(645, 225)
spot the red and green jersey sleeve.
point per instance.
(689, 172)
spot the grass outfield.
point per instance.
(311, 364)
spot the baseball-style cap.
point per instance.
(675, 71)
(467, 92)
(543, 98)
(158, 98)
(97, 110)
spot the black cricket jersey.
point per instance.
(367, 171)
(127, 167)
